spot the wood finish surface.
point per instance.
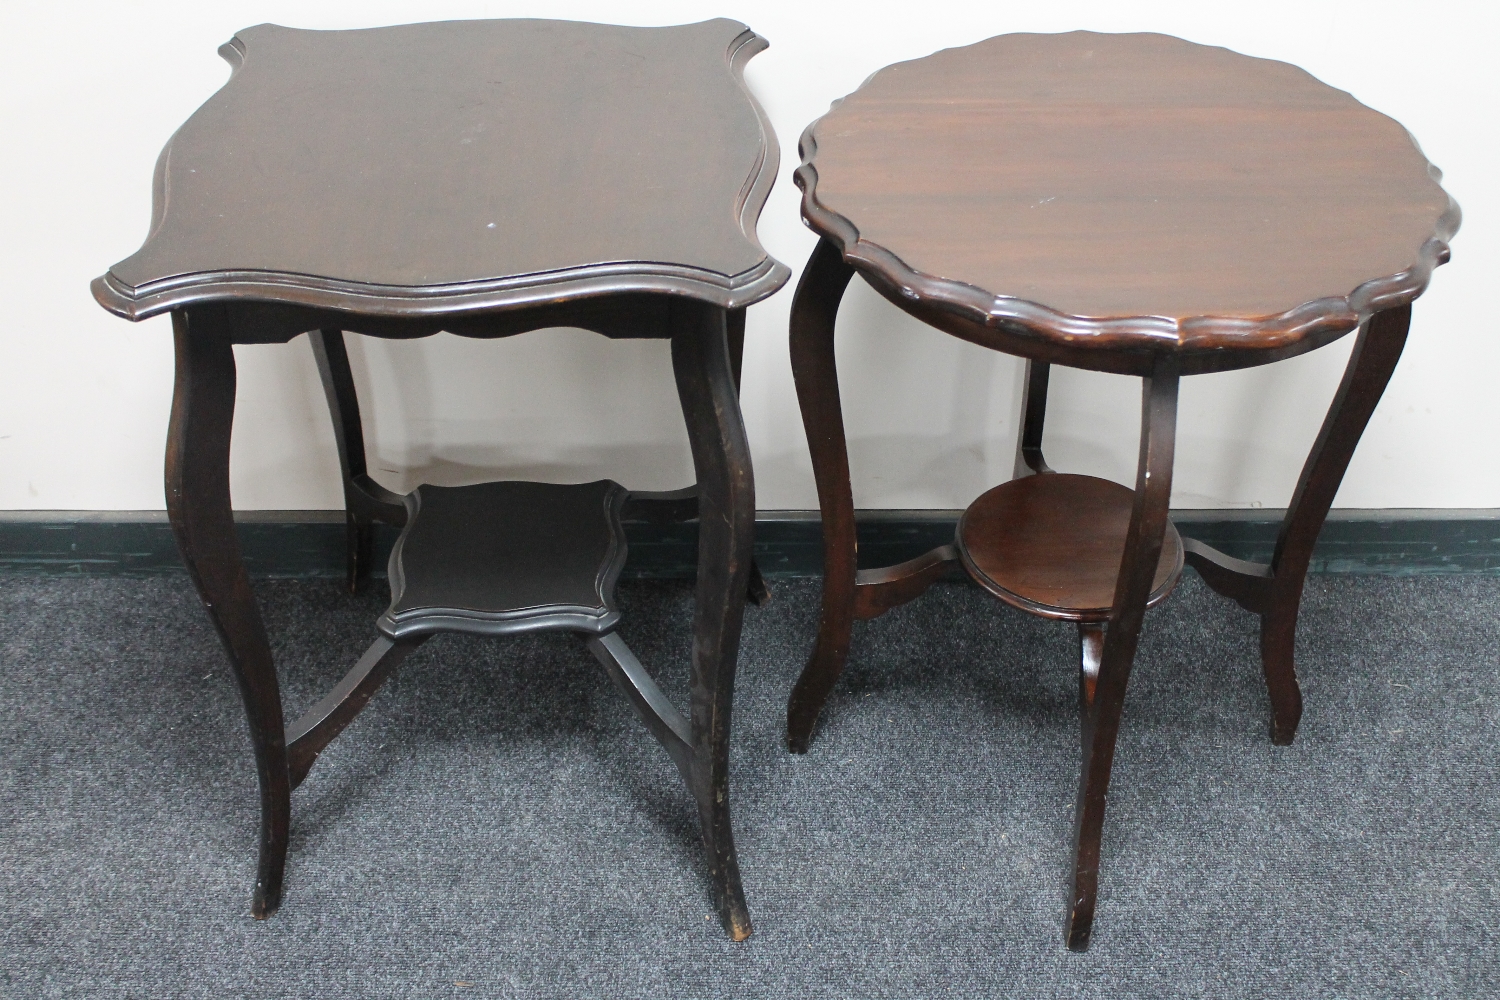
(815, 372)
(726, 533)
(506, 557)
(460, 166)
(1135, 191)
(1125, 203)
(365, 500)
(486, 178)
(1100, 724)
(197, 487)
(1051, 545)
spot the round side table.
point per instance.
(1134, 204)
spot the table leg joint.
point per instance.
(1249, 584)
(317, 727)
(877, 591)
(661, 717)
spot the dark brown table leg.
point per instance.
(1033, 417)
(814, 311)
(197, 481)
(1369, 370)
(726, 535)
(1101, 716)
(757, 591)
(1275, 591)
(365, 501)
(343, 405)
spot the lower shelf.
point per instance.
(1051, 545)
(507, 557)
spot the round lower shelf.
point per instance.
(1051, 544)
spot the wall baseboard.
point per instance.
(787, 543)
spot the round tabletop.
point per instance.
(1126, 192)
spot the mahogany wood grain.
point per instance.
(876, 591)
(1136, 192)
(1369, 370)
(461, 166)
(1090, 655)
(1125, 203)
(1051, 545)
(1246, 583)
(1029, 457)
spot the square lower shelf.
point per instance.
(507, 557)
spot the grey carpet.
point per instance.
(498, 818)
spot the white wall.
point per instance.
(91, 91)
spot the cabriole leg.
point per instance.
(198, 505)
(343, 406)
(726, 535)
(1369, 370)
(1101, 719)
(757, 590)
(814, 311)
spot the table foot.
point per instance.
(724, 867)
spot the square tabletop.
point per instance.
(460, 166)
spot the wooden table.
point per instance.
(1133, 204)
(485, 178)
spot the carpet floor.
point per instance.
(499, 824)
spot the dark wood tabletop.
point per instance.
(461, 166)
(1136, 204)
(1133, 191)
(485, 178)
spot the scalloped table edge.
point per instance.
(1323, 318)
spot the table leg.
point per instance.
(726, 535)
(365, 501)
(198, 505)
(343, 405)
(1275, 591)
(757, 590)
(1101, 717)
(814, 311)
(1033, 416)
(1371, 364)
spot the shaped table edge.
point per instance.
(1251, 340)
